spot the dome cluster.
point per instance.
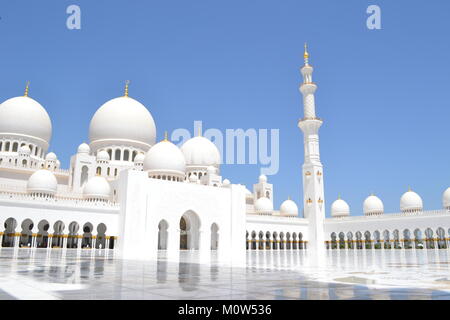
(410, 202)
(197, 157)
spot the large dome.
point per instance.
(200, 151)
(411, 201)
(373, 205)
(42, 181)
(97, 188)
(340, 208)
(122, 120)
(26, 117)
(165, 157)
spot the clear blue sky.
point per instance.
(383, 94)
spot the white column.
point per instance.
(205, 245)
(173, 244)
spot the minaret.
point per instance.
(313, 191)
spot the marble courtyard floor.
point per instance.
(341, 274)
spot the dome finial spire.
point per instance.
(306, 54)
(409, 188)
(199, 132)
(126, 88)
(165, 136)
(27, 87)
(339, 195)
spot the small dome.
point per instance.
(84, 148)
(25, 150)
(103, 156)
(25, 116)
(139, 158)
(446, 199)
(42, 181)
(289, 208)
(124, 120)
(373, 205)
(410, 202)
(262, 178)
(340, 208)
(97, 188)
(193, 178)
(200, 151)
(226, 183)
(51, 156)
(165, 157)
(263, 205)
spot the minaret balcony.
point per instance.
(310, 119)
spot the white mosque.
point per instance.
(128, 193)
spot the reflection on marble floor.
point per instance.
(95, 274)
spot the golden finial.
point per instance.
(372, 194)
(289, 197)
(339, 196)
(409, 188)
(126, 88)
(27, 87)
(199, 132)
(165, 136)
(306, 54)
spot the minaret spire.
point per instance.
(127, 83)
(306, 55)
(27, 88)
(313, 190)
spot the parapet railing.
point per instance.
(21, 196)
(19, 166)
(392, 215)
(266, 214)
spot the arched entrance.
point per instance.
(100, 242)
(72, 240)
(9, 233)
(26, 236)
(189, 231)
